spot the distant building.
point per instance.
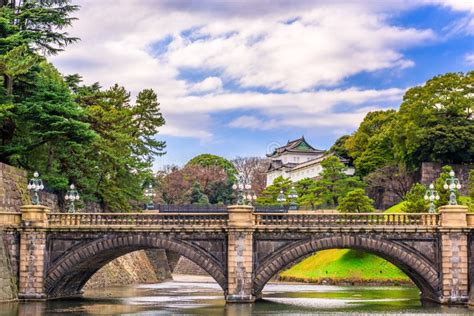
(298, 160)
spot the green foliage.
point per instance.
(68, 132)
(334, 183)
(371, 146)
(340, 148)
(197, 197)
(439, 186)
(309, 193)
(207, 160)
(37, 24)
(270, 194)
(471, 190)
(125, 149)
(356, 201)
(414, 200)
(435, 123)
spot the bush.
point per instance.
(356, 201)
(414, 200)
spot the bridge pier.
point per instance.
(454, 255)
(32, 252)
(240, 254)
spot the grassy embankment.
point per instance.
(336, 266)
(340, 266)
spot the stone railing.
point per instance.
(136, 219)
(346, 219)
(10, 218)
(452, 216)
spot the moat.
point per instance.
(189, 295)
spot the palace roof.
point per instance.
(299, 145)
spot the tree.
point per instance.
(439, 186)
(371, 146)
(44, 115)
(123, 153)
(393, 178)
(309, 193)
(177, 184)
(207, 160)
(197, 197)
(435, 122)
(270, 194)
(253, 169)
(213, 181)
(414, 200)
(36, 27)
(340, 148)
(333, 182)
(356, 201)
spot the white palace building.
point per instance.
(298, 160)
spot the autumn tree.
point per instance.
(253, 170)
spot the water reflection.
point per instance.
(201, 298)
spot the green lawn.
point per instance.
(397, 208)
(349, 265)
(344, 265)
(339, 265)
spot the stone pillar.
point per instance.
(32, 252)
(454, 258)
(240, 254)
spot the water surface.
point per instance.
(188, 295)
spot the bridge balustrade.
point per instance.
(136, 219)
(346, 219)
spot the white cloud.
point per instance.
(207, 85)
(314, 50)
(140, 44)
(252, 122)
(462, 25)
(469, 58)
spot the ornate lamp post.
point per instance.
(35, 185)
(452, 183)
(72, 195)
(245, 195)
(292, 196)
(431, 194)
(281, 198)
(150, 194)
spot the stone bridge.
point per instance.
(54, 254)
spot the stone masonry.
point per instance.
(241, 250)
(8, 289)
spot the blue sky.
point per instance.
(237, 78)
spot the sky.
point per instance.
(239, 78)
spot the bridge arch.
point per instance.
(67, 276)
(416, 267)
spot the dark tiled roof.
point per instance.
(299, 145)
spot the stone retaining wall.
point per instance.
(186, 266)
(8, 287)
(132, 268)
(430, 171)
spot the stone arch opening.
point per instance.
(417, 268)
(67, 276)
